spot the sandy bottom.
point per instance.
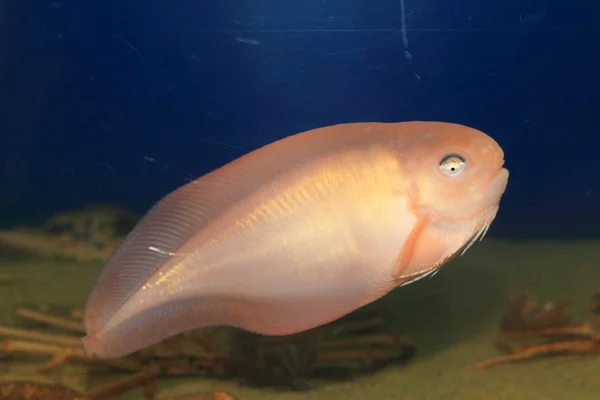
(453, 317)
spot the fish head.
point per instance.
(457, 179)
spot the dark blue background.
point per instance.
(123, 101)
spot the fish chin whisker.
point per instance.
(435, 271)
(419, 275)
(488, 222)
(468, 246)
(485, 230)
(478, 236)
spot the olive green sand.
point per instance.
(453, 317)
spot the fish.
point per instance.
(298, 233)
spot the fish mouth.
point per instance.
(496, 188)
(493, 190)
(489, 203)
(501, 177)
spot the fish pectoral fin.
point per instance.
(408, 250)
(410, 244)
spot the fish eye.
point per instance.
(452, 165)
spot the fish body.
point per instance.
(298, 233)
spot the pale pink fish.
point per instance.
(298, 233)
